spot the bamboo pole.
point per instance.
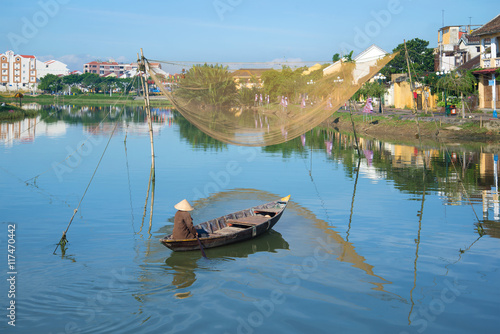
(463, 107)
(145, 87)
(411, 80)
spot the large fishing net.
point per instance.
(262, 107)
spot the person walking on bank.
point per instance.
(183, 223)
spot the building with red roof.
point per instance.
(17, 72)
(106, 68)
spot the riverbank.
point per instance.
(12, 113)
(401, 126)
(94, 99)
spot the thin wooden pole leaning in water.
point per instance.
(147, 198)
(414, 111)
(354, 129)
(152, 203)
(143, 69)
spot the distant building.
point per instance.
(311, 69)
(489, 34)
(456, 46)
(248, 77)
(363, 61)
(106, 68)
(54, 67)
(489, 90)
(468, 48)
(18, 72)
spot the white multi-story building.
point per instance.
(106, 68)
(18, 72)
(51, 67)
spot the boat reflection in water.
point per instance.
(183, 265)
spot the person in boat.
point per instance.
(183, 223)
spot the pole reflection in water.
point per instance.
(129, 186)
(151, 189)
(352, 201)
(417, 241)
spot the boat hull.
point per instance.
(236, 227)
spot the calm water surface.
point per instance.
(387, 243)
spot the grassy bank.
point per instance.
(99, 99)
(391, 128)
(13, 113)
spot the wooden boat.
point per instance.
(233, 227)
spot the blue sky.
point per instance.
(223, 30)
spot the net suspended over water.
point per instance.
(265, 106)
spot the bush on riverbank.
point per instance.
(12, 113)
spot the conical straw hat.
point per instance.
(184, 206)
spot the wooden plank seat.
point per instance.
(270, 210)
(250, 220)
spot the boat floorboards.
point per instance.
(227, 230)
(250, 220)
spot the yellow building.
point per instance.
(404, 96)
(248, 77)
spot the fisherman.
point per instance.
(183, 223)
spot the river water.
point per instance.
(399, 239)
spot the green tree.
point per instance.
(336, 58)
(50, 83)
(90, 81)
(246, 96)
(421, 59)
(108, 83)
(371, 89)
(285, 82)
(125, 84)
(71, 80)
(348, 57)
(210, 85)
(457, 83)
